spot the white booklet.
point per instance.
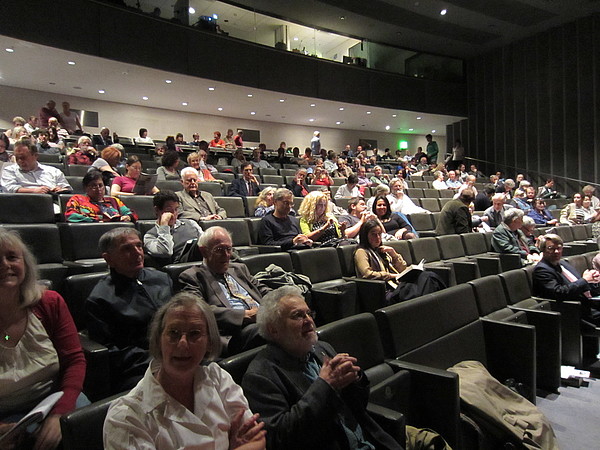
(37, 414)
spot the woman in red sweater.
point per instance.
(40, 351)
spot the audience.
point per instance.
(298, 184)
(109, 159)
(455, 217)
(168, 169)
(121, 305)
(246, 186)
(356, 216)
(43, 144)
(84, 153)
(264, 203)
(171, 240)
(257, 160)
(396, 224)
(195, 204)
(495, 213)
(183, 402)
(94, 206)
(350, 189)
(40, 352)
(278, 227)
(508, 237)
(143, 137)
(103, 140)
(28, 176)
(125, 185)
(228, 287)
(399, 201)
(316, 222)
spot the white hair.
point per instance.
(187, 170)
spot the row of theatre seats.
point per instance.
(406, 348)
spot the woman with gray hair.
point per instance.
(181, 402)
(508, 237)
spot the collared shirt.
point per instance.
(148, 417)
(165, 240)
(236, 303)
(453, 184)
(13, 178)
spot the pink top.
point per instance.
(127, 184)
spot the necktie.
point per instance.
(235, 292)
(572, 278)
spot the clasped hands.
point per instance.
(340, 371)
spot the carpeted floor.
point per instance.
(575, 416)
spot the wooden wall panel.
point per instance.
(534, 106)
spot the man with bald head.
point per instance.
(230, 289)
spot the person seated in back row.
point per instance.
(196, 204)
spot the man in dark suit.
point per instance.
(556, 279)
(233, 293)
(246, 186)
(455, 217)
(104, 140)
(194, 204)
(307, 395)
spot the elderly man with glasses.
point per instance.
(228, 287)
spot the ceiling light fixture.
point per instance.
(219, 109)
(10, 49)
(419, 118)
(71, 63)
(250, 95)
(101, 91)
(394, 115)
(368, 112)
(211, 88)
(443, 12)
(312, 105)
(168, 81)
(215, 16)
(144, 98)
(252, 113)
(281, 100)
(411, 129)
(311, 120)
(338, 123)
(341, 109)
(342, 17)
(295, 38)
(184, 103)
(191, 10)
(433, 131)
(387, 127)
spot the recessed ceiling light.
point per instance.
(144, 98)
(443, 12)
(281, 100)
(394, 115)
(312, 105)
(337, 123)
(71, 63)
(101, 91)
(184, 104)
(219, 109)
(433, 131)
(252, 113)
(411, 129)
(295, 38)
(419, 118)
(341, 109)
(387, 127)
(10, 50)
(311, 120)
(211, 88)
(215, 16)
(368, 112)
(191, 10)
(168, 81)
(250, 95)
(342, 17)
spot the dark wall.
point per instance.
(535, 105)
(125, 35)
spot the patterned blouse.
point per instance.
(81, 209)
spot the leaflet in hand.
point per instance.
(145, 183)
(37, 414)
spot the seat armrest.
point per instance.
(570, 327)
(371, 293)
(334, 303)
(464, 271)
(267, 248)
(434, 399)
(511, 351)
(392, 422)
(444, 272)
(488, 265)
(97, 375)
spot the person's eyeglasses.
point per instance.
(302, 315)
(554, 249)
(220, 249)
(96, 186)
(174, 335)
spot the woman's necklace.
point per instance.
(6, 337)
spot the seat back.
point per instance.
(171, 185)
(238, 228)
(233, 205)
(76, 289)
(318, 264)
(226, 177)
(422, 221)
(489, 294)
(251, 205)
(358, 336)
(451, 246)
(76, 183)
(565, 233)
(579, 232)
(141, 204)
(420, 184)
(254, 228)
(437, 330)
(211, 187)
(258, 263)
(290, 172)
(237, 365)
(447, 193)
(174, 270)
(579, 262)
(26, 208)
(268, 171)
(82, 429)
(273, 179)
(77, 170)
(43, 240)
(424, 248)
(403, 249)
(80, 240)
(431, 193)
(346, 257)
(474, 243)
(430, 204)
(516, 285)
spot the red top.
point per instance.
(217, 143)
(56, 319)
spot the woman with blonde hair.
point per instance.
(264, 203)
(316, 222)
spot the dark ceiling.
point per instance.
(469, 28)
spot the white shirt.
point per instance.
(146, 140)
(13, 178)
(329, 165)
(262, 164)
(343, 191)
(405, 205)
(164, 243)
(149, 418)
(439, 184)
